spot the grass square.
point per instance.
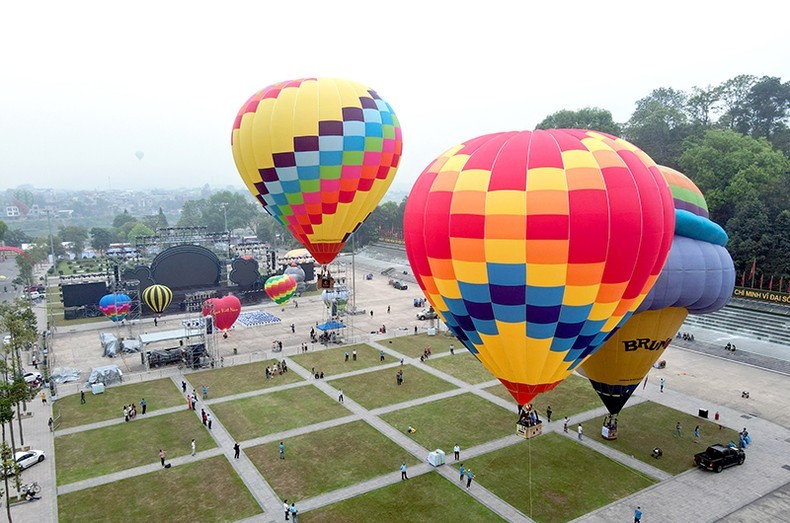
(327, 460)
(467, 420)
(553, 479)
(428, 497)
(97, 452)
(178, 495)
(257, 416)
(158, 394)
(463, 366)
(379, 388)
(648, 425)
(573, 396)
(332, 361)
(413, 345)
(239, 379)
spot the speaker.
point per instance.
(703, 413)
(209, 325)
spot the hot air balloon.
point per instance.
(157, 297)
(139, 154)
(280, 288)
(225, 311)
(298, 274)
(698, 277)
(318, 153)
(115, 306)
(534, 246)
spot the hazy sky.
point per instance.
(86, 84)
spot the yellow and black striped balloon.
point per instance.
(158, 297)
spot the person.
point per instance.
(565, 425)
(193, 446)
(293, 329)
(463, 471)
(696, 434)
(29, 496)
(282, 450)
(354, 355)
(415, 329)
(371, 313)
(469, 478)
(457, 452)
(381, 355)
(143, 404)
(677, 429)
(403, 472)
(236, 450)
(581, 432)
(452, 349)
(321, 375)
(156, 321)
(548, 414)
(661, 385)
(388, 309)
(125, 413)
(340, 396)
(410, 430)
(716, 418)
(346, 354)
(205, 392)
(162, 455)
(637, 515)
(51, 424)
(286, 508)
(208, 420)
(82, 397)
(294, 512)
(43, 398)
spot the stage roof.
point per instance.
(177, 334)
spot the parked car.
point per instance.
(35, 295)
(33, 378)
(718, 457)
(28, 458)
(427, 314)
(400, 286)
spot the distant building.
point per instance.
(12, 211)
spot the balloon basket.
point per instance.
(526, 432)
(608, 434)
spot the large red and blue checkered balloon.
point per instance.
(318, 154)
(533, 247)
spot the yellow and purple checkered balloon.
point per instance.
(318, 153)
(534, 246)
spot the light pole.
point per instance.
(51, 245)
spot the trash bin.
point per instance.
(703, 413)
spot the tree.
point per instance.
(101, 238)
(76, 235)
(16, 237)
(240, 211)
(703, 104)
(660, 124)
(592, 118)
(122, 218)
(139, 229)
(3, 230)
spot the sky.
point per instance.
(85, 85)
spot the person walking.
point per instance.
(293, 328)
(208, 420)
(661, 385)
(581, 432)
(696, 434)
(354, 355)
(203, 416)
(193, 446)
(183, 386)
(457, 452)
(677, 429)
(51, 424)
(294, 512)
(82, 397)
(403, 472)
(388, 309)
(287, 509)
(143, 404)
(236, 450)
(548, 414)
(43, 398)
(463, 472)
(565, 425)
(162, 455)
(638, 515)
(282, 450)
(716, 418)
(381, 355)
(469, 478)
(340, 396)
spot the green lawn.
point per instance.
(572, 396)
(327, 460)
(463, 366)
(239, 379)
(97, 452)
(428, 497)
(648, 425)
(180, 494)
(158, 394)
(413, 345)
(378, 388)
(467, 420)
(332, 361)
(552, 479)
(257, 416)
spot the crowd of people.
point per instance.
(685, 336)
(528, 416)
(277, 369)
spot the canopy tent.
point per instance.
(330, 325)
